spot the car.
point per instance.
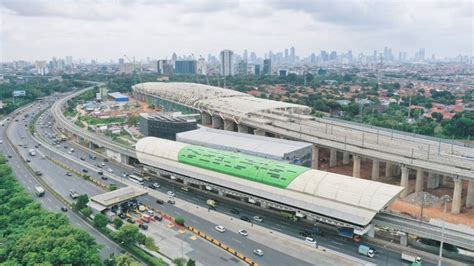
(155, 185)
(122, 216)
(243, 232)
(84, 170)
(144, 220)
(185, 189)
(124, 175)
(38, 173)
(310, 241)
(171, 201)
(170, 193)
(106, 160)
(100, 173)
(9, 156)
(64, 209)
(259, 252)
(130, 220)
(68, 173)
(28, 160)
(143, 226)
(110, 170)
(245, 218)
(258, 219)
(36, 146)
(69, 152)
(99, 166)
(158, 201)
(103, 177)
(220, 228)
(83, 159)
(65, 147)
(158, 217)
(102, 163)
(234, 211)
(1, 141)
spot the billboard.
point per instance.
(19, 93)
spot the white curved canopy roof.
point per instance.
(342, 197)
(215, 99)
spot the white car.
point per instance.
(110, 170)
(1, 141)
(170, 193)
(258, 252)
(220, 228)
(156, 185)
(310, 241)
(243, 232)
(258, 219)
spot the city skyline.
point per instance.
(42, 30)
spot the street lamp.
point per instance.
(445, 199)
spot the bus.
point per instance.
(136, 179)
(39, 191)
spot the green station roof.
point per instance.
(252, 168)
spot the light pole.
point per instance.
(445, 199)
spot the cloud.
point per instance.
(82, 10)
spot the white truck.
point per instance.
(32, 152)
(411, 257)
(366, 251)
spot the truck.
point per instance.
(39, 191)
(348, 233)
(366, 251)
(32, 152)
(211, 203)
(411, 257)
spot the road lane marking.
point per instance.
(238, 241)
(194, 221)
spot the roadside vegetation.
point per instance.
(31, 235)
(35, 87)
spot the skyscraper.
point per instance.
(245, 56)
(227, 64)
(292, 54)
(286, 54)
(267, 67)
(185, 67)
(201, 66)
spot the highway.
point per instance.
(48, 201)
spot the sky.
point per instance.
(108, 29)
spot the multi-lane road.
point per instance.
(56, 177)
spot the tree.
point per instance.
(438, 117)
(125, 260)
(179, 261)
(100, 220)
(127, 234)
(150, 244)
(191, 262)
(118, 223)
(86, 211)
(81, 202)
(179, 220)
(112, 187)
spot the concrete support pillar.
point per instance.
(419, 180)
(397, 170)
(404, 181)
(333, 157)
(388, 169)
(345, 158)
(216, 122)
(206, 119)
(242, 128)
(259, 132)
(403, 239)
(263, 204)
(371, 233)
(315, 157)
(470, 194)
(221, 193)
(228, 125)
(375, 170)
(456, 204)
(433, 181)
(443, 180)
(356, 166)
(185, 182)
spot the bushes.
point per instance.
(179, 220)
(31, 235)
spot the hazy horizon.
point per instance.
(104, 30)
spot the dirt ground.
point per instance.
(467, 214)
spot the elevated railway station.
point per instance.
(311, 194)
(397, 154)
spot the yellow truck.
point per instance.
(211, 203)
